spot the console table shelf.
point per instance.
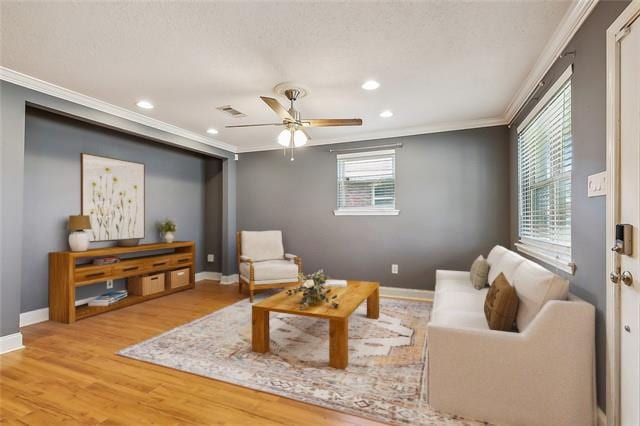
(65, 274)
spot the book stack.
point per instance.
(109, 298)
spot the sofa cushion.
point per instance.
(506, 264)
(479, 272)
(501, 305)
(262, 245)
(460, 319)
(535, 286)
(271, 270)
(459, 301)
(495, 254)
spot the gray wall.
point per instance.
(588, 93)
(13, 100)
(452, 193)
(174, 188)
(213, 219)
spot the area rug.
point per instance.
(385, 379)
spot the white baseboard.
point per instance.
(206, 275)
(406, 293)
(11, 342)
(602, 417)
(34, 317)
(217, 276)
(41, 315)
(229, 279)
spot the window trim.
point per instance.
(556, 255)
(372, 210)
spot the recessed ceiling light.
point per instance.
(386, 114)
(370, 85)
(144, 104)
(212, 131)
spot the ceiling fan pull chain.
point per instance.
(292, 154)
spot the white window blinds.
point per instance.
(367, 181)
(544, 169)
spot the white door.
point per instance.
(630, 214)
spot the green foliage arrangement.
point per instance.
(167, 225)
(313, 291)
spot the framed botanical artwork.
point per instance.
(113, 197)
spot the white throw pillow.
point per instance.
(262, 245)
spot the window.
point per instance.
(544, 177)
(367, 183)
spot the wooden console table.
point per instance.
(65, 274)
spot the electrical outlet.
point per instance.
(394, 269)
(109, 284)
(211, 258)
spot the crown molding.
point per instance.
(386, 134)
(569, 25)
(41, 86)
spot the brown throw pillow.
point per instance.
(501, 305)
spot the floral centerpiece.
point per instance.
(314, 291)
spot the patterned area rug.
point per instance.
(385, 379)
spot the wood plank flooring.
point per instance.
(69, 373)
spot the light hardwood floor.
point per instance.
(69, 373)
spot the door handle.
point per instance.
(627, 278)
(614, 277)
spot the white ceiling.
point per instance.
(437, 61)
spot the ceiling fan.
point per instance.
(294, 134)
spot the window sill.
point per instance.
(366, 212)
(565, 265)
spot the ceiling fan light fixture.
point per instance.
(284, 138)
(299, 138)
(370, 85)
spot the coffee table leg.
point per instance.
(373, 305)
(260, 330)
(339, 343)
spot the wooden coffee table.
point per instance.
(349, 298)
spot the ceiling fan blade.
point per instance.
(277, 108)
(255, 125)
(330, 122)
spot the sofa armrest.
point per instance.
(545, 373)
(290, 256)
(246, 259)
(295, 259)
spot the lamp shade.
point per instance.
(78, 223)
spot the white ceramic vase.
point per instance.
(79, 241)
(168, 237)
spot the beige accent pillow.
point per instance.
(501, 305)
(479, 272)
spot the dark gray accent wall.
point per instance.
(452, 193)
(174, 188)
(213, 217)
(588, 110)
(13, 101)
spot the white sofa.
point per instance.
(543, 374)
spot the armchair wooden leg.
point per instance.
(239, 285)
(250, 294)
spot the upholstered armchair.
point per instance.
(262, 262)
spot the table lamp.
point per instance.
(79, 238)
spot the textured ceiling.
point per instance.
(437, 61)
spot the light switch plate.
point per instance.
(211, 258)
(597, 185)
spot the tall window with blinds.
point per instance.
(367, 183)
(544, 169)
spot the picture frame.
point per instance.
(112, 194)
